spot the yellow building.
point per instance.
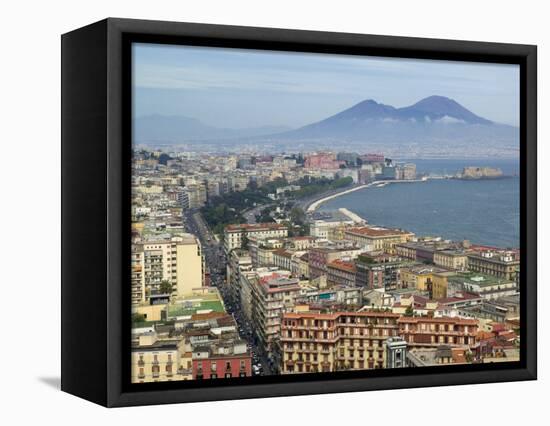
(426, 278)
(177, 260)
(189, 264)
(440, 284)
(155, 360)
(150, 312)
(419, 278)
(149, 189)
(451, 259)
(377, 238)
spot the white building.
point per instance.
(234, 234)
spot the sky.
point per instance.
(238, 88)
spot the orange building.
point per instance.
(314, 342)
(432, 332)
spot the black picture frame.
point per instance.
(96, 144)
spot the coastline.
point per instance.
(315, 204)
(489, 234)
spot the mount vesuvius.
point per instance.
(433, 118)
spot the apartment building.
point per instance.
(487, 286)
(137, 274)
(155, 360)
(451, 259)
(282, 259)
(377, 238)
(239, 262)
(433, 332)
(222, 360)
(272, 295)
(197, 195)
(318, 342)
(424, 250)
(322, 228)
(177, 260)
(426, 278)
(341, 273)
(235, 234)
(300, 264)
(320, 257)
(500, 264)
(379, 270)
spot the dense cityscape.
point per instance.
(236, 273)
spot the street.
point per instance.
(216, 262)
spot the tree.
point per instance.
(138, 318)
(304, 230)
(165, 287)
(297, 215)
(409, 312)
(244, 242)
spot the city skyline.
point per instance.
(237, 88)
(238, 272)
(384, 236)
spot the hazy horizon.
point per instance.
(238, 88)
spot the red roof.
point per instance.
(376, 232)
(343, 265)
(336, 315)
(443, 320)
(254, 227)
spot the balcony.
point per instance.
(439, 333)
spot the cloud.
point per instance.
(449, 120)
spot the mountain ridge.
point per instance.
(434, 121)
(154, 128)
(432, 118)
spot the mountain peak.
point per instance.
(368, 102)
(437, 107)
(437, 101)
(367, 109)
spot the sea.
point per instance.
(485, 212)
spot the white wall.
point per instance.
(30, 70)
